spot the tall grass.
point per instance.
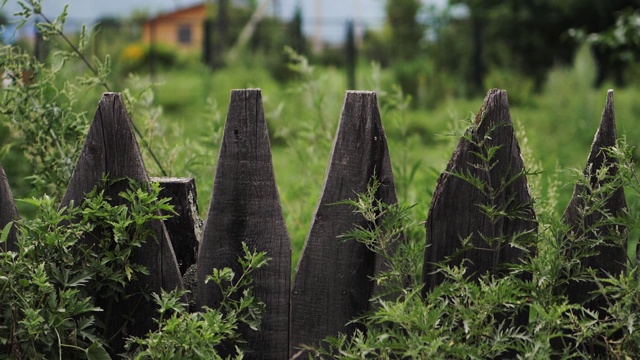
(182, 115)
(302, 115)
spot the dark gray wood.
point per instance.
(185, 227)
(8, 212)
(245, 207)
(332, 283)
(612, 258)
(111, 148)
(454, 212)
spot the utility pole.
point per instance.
(351, 55)
(357, 22)
(317, 32)
(247, 31)
(222, 25)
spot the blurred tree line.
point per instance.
(454, 51)
(433, 52)
(531, 36)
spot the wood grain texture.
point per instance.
(332, 283)
(613, 257)
(111, 148)
(184, 227)
(8, 212)
(245, 207)
(455, 212)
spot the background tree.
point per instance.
(3, 18)
(614, 47)
(405, 29)
(294, 35)
(530, 37)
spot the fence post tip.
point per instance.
(495, 100)
(248, 90)
(609, 103)
(361, 92)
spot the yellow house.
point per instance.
(182, 29)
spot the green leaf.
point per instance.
(79, 280)
(5, 232)
(129, 271)
(97, 352)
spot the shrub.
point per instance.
(421, 80)
(199, 335)
(521, 88)
(475, 319)
(140, 57)
(51, 282)
(64, 259)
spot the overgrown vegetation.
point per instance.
(199, 335)
(464, 318)
(62, 261)
(67, 263)
(48, 308)
(66, 259)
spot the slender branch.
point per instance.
(106, 86)
(77, 51)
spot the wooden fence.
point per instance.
(332, 282)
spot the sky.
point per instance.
(335, 13)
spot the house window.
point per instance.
(184, 34)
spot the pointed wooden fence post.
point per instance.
(184, 228)
(245, 207)
(8, 212)
(332, 283)
(612, 259)
(111, 149)
(485, 170)
(612, 255)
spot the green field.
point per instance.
(181, 115)
(555, 129)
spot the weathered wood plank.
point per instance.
(612, 256)
(184, 228)
(245, 207)
(455, 211)
(111, 148)
(332, 282)
(8, 212)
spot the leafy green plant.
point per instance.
(386, 239)
(521, 88)
(184, 335)
(470, 319)
(396, 106)
(40, 101)
(313, 93)
(309, 139)
(135, 57)
(65, 258)
(40, 115)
